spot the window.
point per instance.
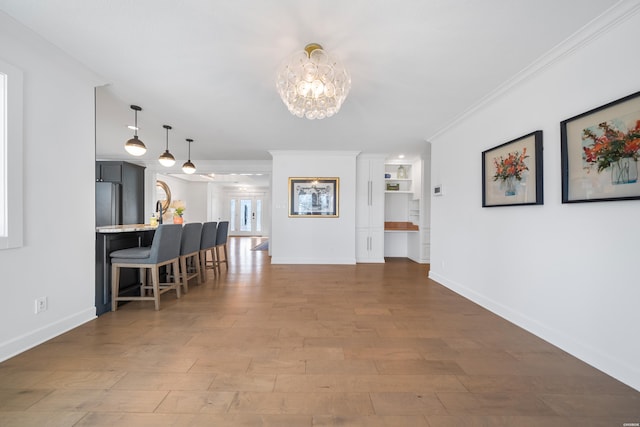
(3, 144)
(10, 156)
(232, 219)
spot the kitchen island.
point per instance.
(112, 238)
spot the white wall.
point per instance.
(192, 194)
(196, 198)
(57, 259)
(566, 272)
(313, 240)
(217, 210)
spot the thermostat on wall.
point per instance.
(437, 190)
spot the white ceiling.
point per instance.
(208, 67)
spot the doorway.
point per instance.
(245, 216)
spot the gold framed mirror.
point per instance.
(163, 193)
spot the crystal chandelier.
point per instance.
(312, 83)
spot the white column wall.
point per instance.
(313, 240)
(566, 272)
(57, 259)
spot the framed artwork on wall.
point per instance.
(314, 197)
(599, 152)
(512, 172)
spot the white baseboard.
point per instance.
(31, 339)
(315, 261)
(595, 357)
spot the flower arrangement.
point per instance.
(178, 211)
(510, 167)
(610, 143)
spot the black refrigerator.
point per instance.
(108, 204)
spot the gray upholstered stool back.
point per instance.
(165, 246)
(164, 250)
(222, 233)
(208, 239)
(221, 243)
(191, 234)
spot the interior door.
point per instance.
(246, 216)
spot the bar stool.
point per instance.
(207, 243)
(164, 250)
(221, 243)
(190, 252)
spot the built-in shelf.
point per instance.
(400, 226)
(402, 185)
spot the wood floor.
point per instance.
(300, 345)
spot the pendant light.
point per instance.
(134, 146)
(189, 167)
(166, 159)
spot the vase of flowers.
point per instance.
(510, 170)
(610, 145)
(177, 215)
(624, 171)
(510, 186)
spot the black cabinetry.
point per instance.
(129, 277)
(130, 178)
(109, 172)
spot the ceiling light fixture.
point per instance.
(312, 83)
(134, 146)
(189, 167)
(166, 159)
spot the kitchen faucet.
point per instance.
(159, 209)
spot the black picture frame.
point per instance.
(512, 172)
(600, 150)
(314, 197)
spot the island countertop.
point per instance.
(126, 228)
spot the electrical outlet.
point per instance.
(41, 304)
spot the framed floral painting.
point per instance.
(600, 151)
(512, 172)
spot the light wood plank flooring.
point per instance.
(300, 345)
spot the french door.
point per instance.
(245, 216)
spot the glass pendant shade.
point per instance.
(189, 167)
(135, 146)
(312, 83)
(166, 159)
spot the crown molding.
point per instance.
(594, 29)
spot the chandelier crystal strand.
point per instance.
(313, 84)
